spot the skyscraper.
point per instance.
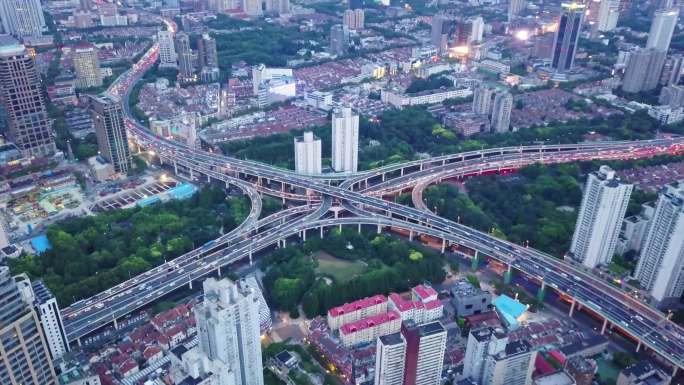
(252, 7)
(661, 263)
(345, 140)
(22, 18)
(608, 14)
(425, 347)
(659, 38)
(567, 36)
(672, 70)
(501, 111)
(515, 7)
(390, 356)
(662, 28)
(482, 100)
(353, 18)
(228, 331)
(476, 29)
(641, 73)
(490, 359)
(443, 29)
(339, 39)
(186, 69)
(307, 154)
(208, 58)
(110, 130)
(50, 319)
(512, 365)
(600, 217)
(21, 95)
(25, 356)
(87, 65)
(479, 345)
(167, 51)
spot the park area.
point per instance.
(339, 270)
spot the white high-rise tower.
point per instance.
(598, 224)
(167, 50)
(345, 140)
(22, 18)
(307, 154)
(228, 332)
(661, 263)
(662, 28)
(390, 359)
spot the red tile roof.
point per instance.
(433, 304)
(369, 322)
(357, 305)
(424, 291)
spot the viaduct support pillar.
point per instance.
(379, 228)
(78, 341)
(443, 245)
(572, 308)
(304, 235)
(638, 346)
(175, 167)
(190, 283)
(359, 228)
(605, 324)
(410, 235)
(116, 324)
(541, 292)
(475, 262)
(321, 232)
(218, 270)
(507, 276)
(250, 258)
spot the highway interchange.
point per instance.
(360, 197)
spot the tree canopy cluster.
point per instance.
(94, 253)
(393, 265)
(433, 82)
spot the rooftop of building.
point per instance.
(646, 371)
(392, 339)
(357, 305)
(10, 46)
(463, 288)
(557, 378)
(369, 322)
(431, 328)
(42, 293)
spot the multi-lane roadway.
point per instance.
(359, 194)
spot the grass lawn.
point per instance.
(338, 269)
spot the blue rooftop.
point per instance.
(148, 201)
(183, 191)
(40, 244)
(510, 309)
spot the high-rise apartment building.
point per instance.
(24, 354)
(477, 25)
(110, 130)
(252, 7)
(515, 7)
(490, 359)
(21, 95)
(425, 348)
(228, 331)
(642, 72)
(444, 29)
(345, 140)
(482, 100)
(513, 365)
(661, 262)
(390, 359)
(662, 28)
(608, 15)
(167, 51)
(186, 68)
(600, 217)
(480, 343)
(672, 70)
(208, 58)
(501, 111)
(86, 65)
(567, 36)
(307, 154)
(50, 319)
(22, 18)
(672, 96)
(353, 19)
(339, 39)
